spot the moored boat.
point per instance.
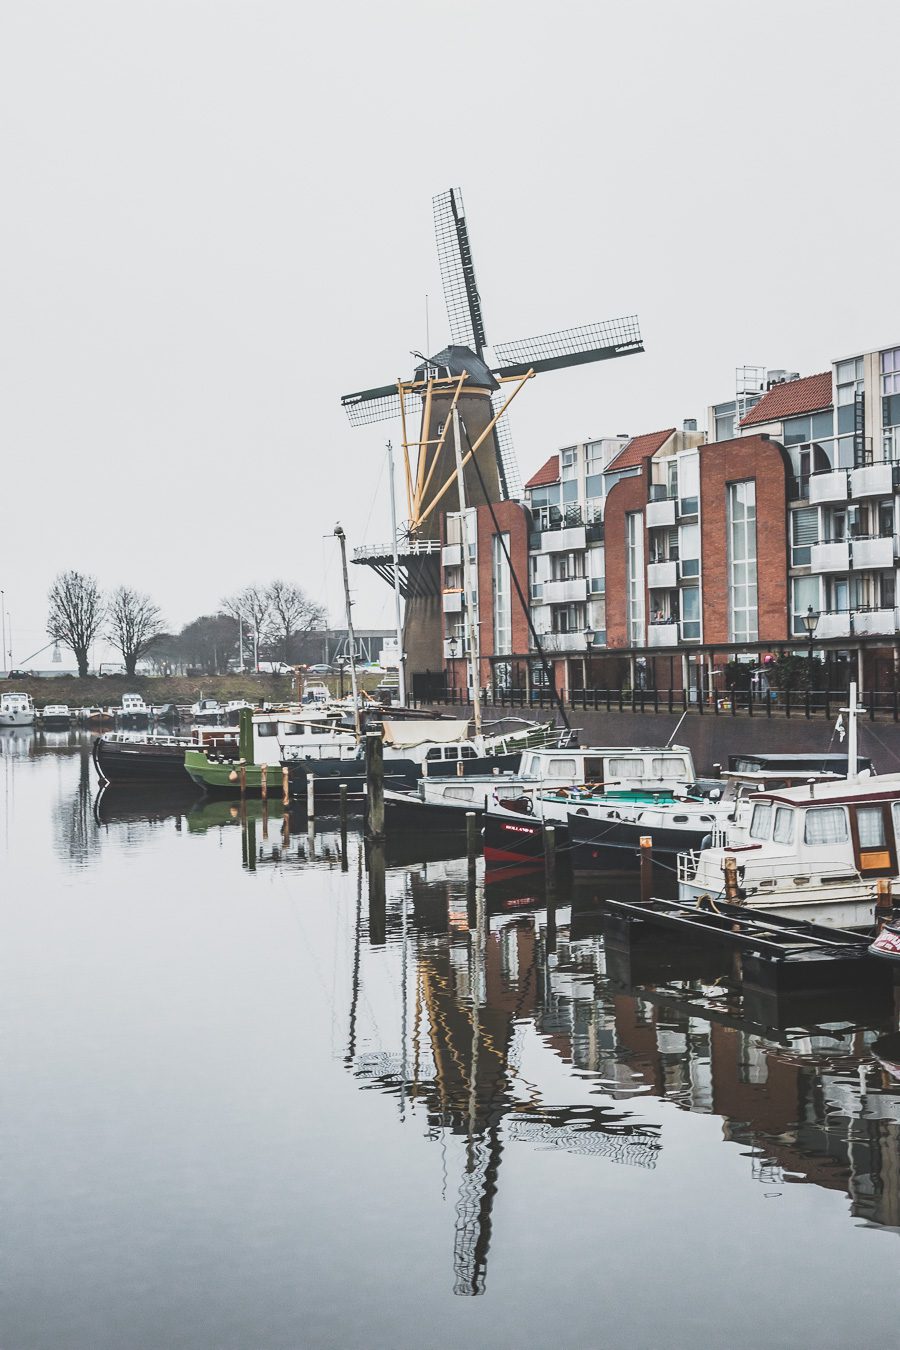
(16, 710)
(56, 717)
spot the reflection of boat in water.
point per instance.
(147, 801)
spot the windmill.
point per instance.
(461, 380)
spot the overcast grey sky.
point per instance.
(217, 219)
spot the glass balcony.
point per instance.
(830, 557)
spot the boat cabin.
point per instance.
(622, 768)
(794, 765)
(133, 705)
(855, 822)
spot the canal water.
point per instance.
(260, 1096)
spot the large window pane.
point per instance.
(826, 825)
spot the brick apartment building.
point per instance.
(656, 559)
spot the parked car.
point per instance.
(320, 669)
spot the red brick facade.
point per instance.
(721, 463)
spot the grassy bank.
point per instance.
(107, 692)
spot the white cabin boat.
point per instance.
(16, 710)
(813, 852)
(56, 716)
(206, 711)
(133, 708)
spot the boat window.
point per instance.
(870, 823)
(783, 832)
(825, 825)
(561, 768)
(895, 809)
(593, 770)
(626, 768)
(468, 752)
(434, 752)
(761, 820)
(451, 752)
(669, 767)
(460, 794)
(267, 728)
(292, 729)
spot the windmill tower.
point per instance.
(461, 380)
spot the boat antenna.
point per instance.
(677, 729)
(342, 540)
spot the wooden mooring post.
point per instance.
(374, 785)
(729, 867)
(884, 903)
(310, 796)
(550, 856)
(285, 786)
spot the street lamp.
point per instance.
(810, 623)
(589, 638)
(452, 648)
(341, 663)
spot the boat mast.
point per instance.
(401, 655)
(338, 529)
(852, 737)
(471, 623)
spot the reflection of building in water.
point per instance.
(806, 1105)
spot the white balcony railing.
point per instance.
(833, 557)
(662, 574)
(828, 487)
(451, 555)
(873, 480)
(662, 635)
(563, 642)
(873, 552)
(564, 592)
(563, 541)
(453, 602)
(833, 623)
(660, 513)
(867, 621)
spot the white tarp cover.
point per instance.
(417, 733)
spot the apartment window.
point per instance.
(568, 462)
(725, 423)
(502, 597)
(689, 484)
(890, 389)
(689, 550)
(634, 574)
(536, 578)
(743, 604)
(567, 566)
(804, 533)
(850, 380)
(818, 427)
(568, 619)
(690, 613)
(596, 570)
(805, 594)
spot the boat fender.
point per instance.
(232, 777)
(706, 841)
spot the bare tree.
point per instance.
(253, 607)
(292, 612)
(133, 621)
(76, 614)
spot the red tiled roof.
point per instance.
(791, 399)
(638, 449)
(547, 473)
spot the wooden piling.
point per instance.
(374, 785)
(310, 796)
(550, 856)
(285, 786)
(646, 856)
(263, 784)
(729, 867)
(884, 902)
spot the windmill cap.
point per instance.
(455, 360)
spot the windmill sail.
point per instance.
(510, 478)
(458, 271)
(379, 405)
(570, 347)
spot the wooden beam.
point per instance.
(439, 444)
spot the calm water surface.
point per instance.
(257, 1102)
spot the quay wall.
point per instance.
(712, 739)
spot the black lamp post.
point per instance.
(453, 646)
(810, 623)
(589, 637)
(342, 666)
